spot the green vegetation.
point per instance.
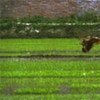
(53, 97)
(73, 26)
(48, 68)
(27, 47)
(48, 30)
(38, 44)
(25, 76)
(72, 74)
(49, 79)
(86, 17)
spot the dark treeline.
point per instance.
(33, 27)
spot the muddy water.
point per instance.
(50, 57)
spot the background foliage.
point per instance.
(44, 27)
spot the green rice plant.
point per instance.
(48, 65)
(46, 78)
(27, 47)
(37, 44)
(52, 97)
(49, 77)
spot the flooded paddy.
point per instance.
(51, 57)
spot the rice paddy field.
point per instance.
(48, 69)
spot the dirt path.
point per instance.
(54, 57)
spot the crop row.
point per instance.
(38, 44)
(45, 77)
(52, 97)
(48, 65)
(24, 47)
(51, 82)
(49, 85)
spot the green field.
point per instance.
(48, 79)
(24, 47)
